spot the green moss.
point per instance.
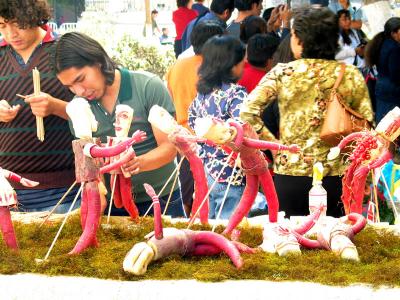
(379, 252)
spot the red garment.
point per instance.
(251, 77)
(181, 17)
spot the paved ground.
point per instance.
(32, 287)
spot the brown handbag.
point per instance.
(340, 120)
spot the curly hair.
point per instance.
(27, 13)
(318, 31)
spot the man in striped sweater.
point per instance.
(26, 44)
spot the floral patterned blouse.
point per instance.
(224, 104)
(302, 88)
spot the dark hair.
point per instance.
(242, 5)
(344, 34)
(318, 31)
(373, 49)
(267, 13)
(182, 3)
(154, 11)
(202, 32)
(260, 49)
(27, 13)
(219, 6)
(220, 55)
(283, 53)
(77, 50)
(250, 26)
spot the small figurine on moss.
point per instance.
(8, 199)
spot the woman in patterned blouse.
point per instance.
(219, 96)
(302, 88)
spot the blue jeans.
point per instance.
(175, 206)
(31, 200)
(232, 199)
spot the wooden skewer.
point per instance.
(21, 96)
(36, 92)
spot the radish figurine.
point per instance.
(8, 198)
(371, 150)
(163, 242)
(186, 143)
(242, 139)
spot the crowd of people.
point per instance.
(273, 69)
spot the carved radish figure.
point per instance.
(336, 234)
(8, 198)
(120, 179)
(371, 151)
(282, 239)
(88, 167)
(186, 144)
(164, 242)
(242, 139)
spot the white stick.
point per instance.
(210, 190)
(58, 203)
(36, 92)
(111, 198)
(226, 192)
(390, 195)
(170, 193)
(63, 223)
(166, 183)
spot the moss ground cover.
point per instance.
(379, 252)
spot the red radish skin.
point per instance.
(118, 163)
(128, 202)
(88, 237)
(7, 228)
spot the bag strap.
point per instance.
(340, 77)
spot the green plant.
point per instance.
(133, 55)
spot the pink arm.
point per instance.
(305, 242)
(119, 163)
(384, 158)
(96, 151)
(352, 136)
(358, 220)
(158, 230)
(15, 177)
(239, 133)
(264, 145)
(310, 221)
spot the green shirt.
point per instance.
(302, 88)
(139, 90)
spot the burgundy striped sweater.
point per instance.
(50, 162)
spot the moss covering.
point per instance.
(379, 252)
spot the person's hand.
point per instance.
(41, 105)
(285, 14)
(360, 50)
(272, 19)
(7, 112)
(133, 166)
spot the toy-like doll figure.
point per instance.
(336, 234)
(8, 199)
(242, 139)
(88, 167)
(163, 242)
(120, 179)
(281, 238)
(371, 150)
(186, 144)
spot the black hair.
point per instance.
(77, 50)
(220, 54)
(260, 49)
(27, 13)
(318, 31)
(202, 32)
(283, 53)
(267, 13)
(345, 35)
(182, 3)
(243, 5)
(219, 6)
(154, 11)
(373, 49)
(250, 26)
